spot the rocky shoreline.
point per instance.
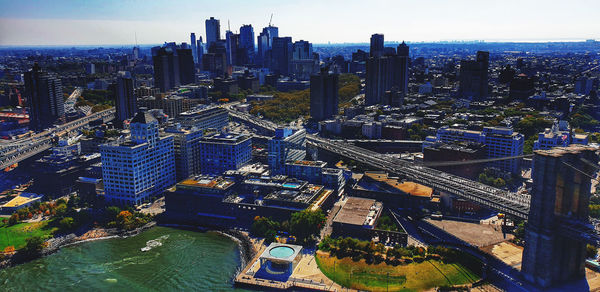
(55, 244)
(247, 250)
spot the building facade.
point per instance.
(135, 171)
(323, 95)
(221, 152)
(44, 97)
(287, 145)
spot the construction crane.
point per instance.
(271, 20)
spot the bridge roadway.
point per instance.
(27, 147)
(510, 203)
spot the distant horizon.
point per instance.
(323, 44)
(115, 22)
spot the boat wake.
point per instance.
(150, 244)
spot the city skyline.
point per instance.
(67, 22)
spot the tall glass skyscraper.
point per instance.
(247, 41)
(194, 47)
(213, 31)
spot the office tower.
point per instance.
(247, 42)
(303, 63)
(232, 43)
(135, 171)
(473, 78)
(387, 73)
(323, 95)
(222, 151)
(561, 191)
(125, 100)
(187, 70)
(194, 47)
(215, 61)
(166, 69)
(376, 49)
(287, 145)
(136, 53)
(187, 150)
(44, 98)
(199, 50)
(281, 54)
(213, 31)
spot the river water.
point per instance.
(175, 260)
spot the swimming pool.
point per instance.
(281, 252)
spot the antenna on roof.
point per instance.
(270, 20)
(135, 38)
(228, 25)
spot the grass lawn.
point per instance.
(411, 277)
(15, 235)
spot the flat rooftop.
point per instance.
(225, 138)
(22, 199)
(411, 188)
(307, 163)
(209, 182)
(357, 211)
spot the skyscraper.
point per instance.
(232, 44)
(247, 42)
(376, 45)
(166, 69)
(213, 31)
(215, 61)
(303, 62)
(473, 77)
(199, 49)
(265, 42)
(137, 170)
(387, 76)
(194, 47)
(125, 100)
(187, 71)
(281, 54)
(323, 95)
(44, 97)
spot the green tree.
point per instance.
(306, 224)
(34, 245)
(67, 223)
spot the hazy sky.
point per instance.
(95, 22)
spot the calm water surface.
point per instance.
(177, 260)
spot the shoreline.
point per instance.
(243, 241)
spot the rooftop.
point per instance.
(358, 211)
(210, 182)
(22, 199)
(411, 188)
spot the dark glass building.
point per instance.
(44, 98)
(125, 100)
(323, 95)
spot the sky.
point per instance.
(110, 22)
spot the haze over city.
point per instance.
(68, 22)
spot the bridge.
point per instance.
(24, 148)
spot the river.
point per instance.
(176, 260)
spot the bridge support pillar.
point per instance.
(561, 190)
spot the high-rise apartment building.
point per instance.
(187, 150)
(287, 145)
(223, 151)
(500, 142)
(303, 63)
(323, 95)
(136, 170)
(473, 77)
(213, 31)
(44, 97)
(387, 75)
(125, 100)
(166, 69)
